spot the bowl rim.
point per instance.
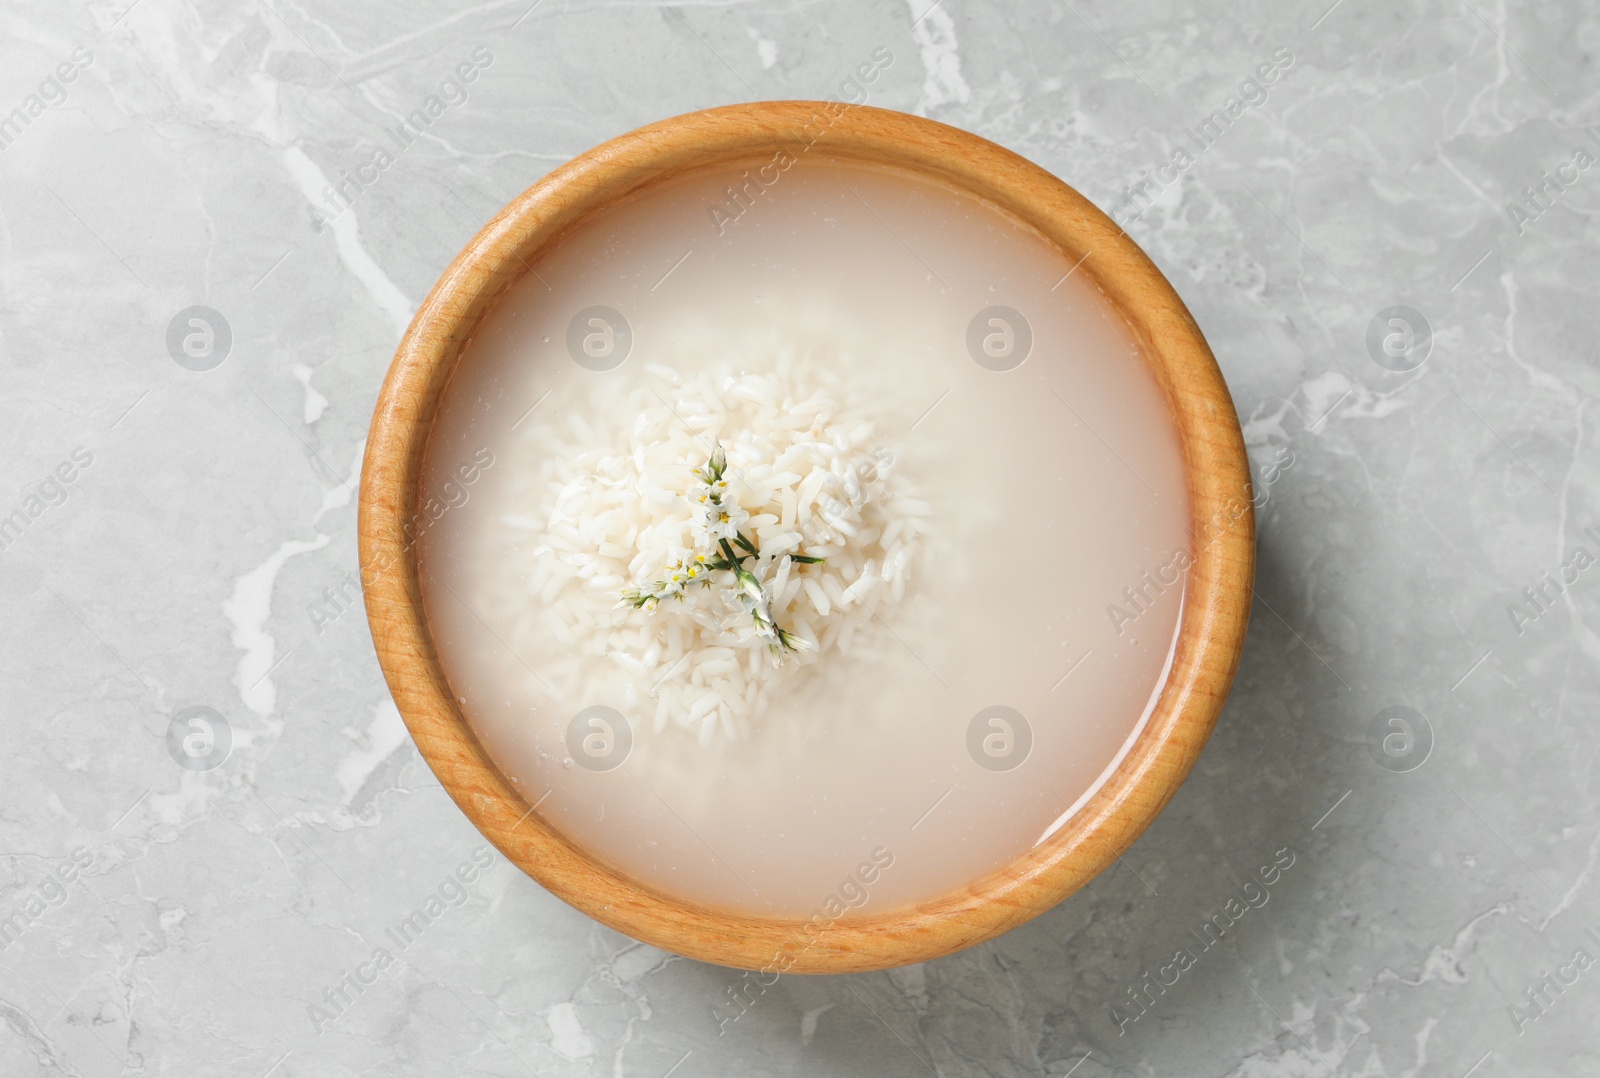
(1216, 604)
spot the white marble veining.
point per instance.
(166, 155)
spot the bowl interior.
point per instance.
(1216, 473)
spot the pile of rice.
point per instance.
(617, 503)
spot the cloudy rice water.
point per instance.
(815, 533)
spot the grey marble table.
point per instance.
(1390, 241)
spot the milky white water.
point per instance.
(1054, 485)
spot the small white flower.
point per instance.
(724, 520)
(719, 532)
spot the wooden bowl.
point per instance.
(1214, 612)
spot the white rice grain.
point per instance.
(608, 505)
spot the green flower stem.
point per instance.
(649, 595)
